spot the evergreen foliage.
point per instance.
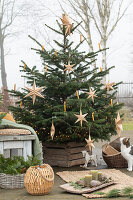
(114, 193)
(17, 164)
(60, 87)
(127, 190)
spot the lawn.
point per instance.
(127, 126)
(127, 120)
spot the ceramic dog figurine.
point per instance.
(89, 158)
(127, 152)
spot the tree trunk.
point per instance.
(5, 99)
(2, 63)
(104, 58)
(104, 55)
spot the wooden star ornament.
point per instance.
(68, 67)
(91, 94)
(81, 117)
(34, 92)
(118, 122)
(109, 86)
(52, 132)
(66, 23)
(89, 143)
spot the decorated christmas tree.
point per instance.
(68, 101)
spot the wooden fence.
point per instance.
(125, 93)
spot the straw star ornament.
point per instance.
(81, 117)
(109, 86)
(89, 143)
(68, 67)
(34, 92)
(66, 22)
(91, 95)
(118, 122)
(52, 132)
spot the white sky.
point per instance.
(120, 46)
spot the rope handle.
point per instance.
(47, 166)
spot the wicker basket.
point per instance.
(109, 150)
(115, 160)
(39, 180)
(8, 181)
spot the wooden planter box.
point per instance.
(64, 155)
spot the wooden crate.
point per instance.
(64, 155)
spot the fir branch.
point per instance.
(59, 44)
(69, 45)
(60, 26)
(79, 45)
(35, 40)
(76, 26)
(54, 29)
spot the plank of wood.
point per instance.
(27, 150)
(76, 162)
(13, 145)
(52, 145)
(75, 150)
(67, 187)
(69, 144)
(1, 147)
(93, 196)
(75, 144)
(55, 157)
(75, 156)
(16, 137)
(55, 151)
(7, 153)
(59, 163)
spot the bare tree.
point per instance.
(7, 17)
(9, 10)
(103, 15)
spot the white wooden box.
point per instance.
(16, 145)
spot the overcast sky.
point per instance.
(120, 46)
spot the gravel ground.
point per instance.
(57, 193)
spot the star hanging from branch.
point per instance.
(118, 122)
(89, 143)
(68, 67)
(81, 117)
(109, 86)
(34, 92)
(66, 22)
(91, 94)
(52, 132)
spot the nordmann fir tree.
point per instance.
(75, 99)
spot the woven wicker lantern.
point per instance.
(39, 180)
